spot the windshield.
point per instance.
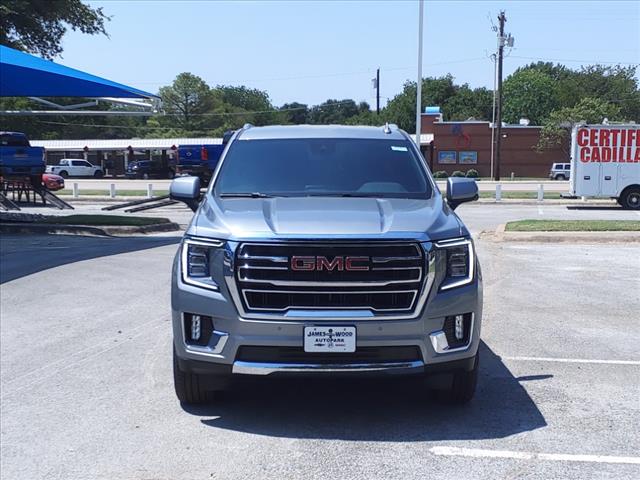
(323, 167)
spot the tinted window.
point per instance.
(13, 140)
(567, 166)
(319, 166)
(78, 163)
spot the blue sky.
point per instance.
(313, 50)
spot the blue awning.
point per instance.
(24, 75)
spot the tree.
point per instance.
(555, 131)
(467, 103)
(613, 84)
(296, 113)
(37, 26)
(333, 111)
(528, 94)
(458, 102)
(186, 100)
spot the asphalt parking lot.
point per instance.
(86, 384)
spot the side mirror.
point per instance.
(187, 190)
(461, 190)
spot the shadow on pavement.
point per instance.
(595, 207)
(391, 410)
(22, 255)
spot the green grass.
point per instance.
(573, 226)
(104, 220)
(105, 193)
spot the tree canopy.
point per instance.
(37, 26)
(547, 94)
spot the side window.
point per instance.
(14, 141)
(87, 164)
(77, 163)
(567, 166)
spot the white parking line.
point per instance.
(573, 360)
(554, 457)
(540, 211)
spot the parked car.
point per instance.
(325, 250)
(52, 182)
(560, 171)
(18, 158)
(75, 168)
(148, 169)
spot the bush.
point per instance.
(457, 173)
(472, 173)
(441, 174)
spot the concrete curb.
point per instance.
(105, 199)
(52, 229)
(500, 235)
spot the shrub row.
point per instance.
(470, 174)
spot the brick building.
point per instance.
(466, 145)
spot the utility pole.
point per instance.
(498, 136)
(494, 58)
(378, 91)
(419, 83)
(502, 41)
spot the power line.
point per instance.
(319, 75)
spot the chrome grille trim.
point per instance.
(393, 259)
(264, 257)
(235, 257)
(320, 292)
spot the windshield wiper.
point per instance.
(245, 195)
(355, 194)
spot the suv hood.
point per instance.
(316, 217)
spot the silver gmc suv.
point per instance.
(325, 250)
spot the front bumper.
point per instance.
(232, 332)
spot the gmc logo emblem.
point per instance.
(303, 263)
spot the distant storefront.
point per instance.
(467, 145)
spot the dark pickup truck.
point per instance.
(18, 159)
(198, 161)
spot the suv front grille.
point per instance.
(384, 278)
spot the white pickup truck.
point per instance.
(75, 168)
(605, 163)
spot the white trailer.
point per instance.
(605, 163)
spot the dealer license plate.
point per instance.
(330, 339)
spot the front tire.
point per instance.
(192, 388)
(63, 174)
(560, 177)
(630, 198)
(463, 386)
(98, 174)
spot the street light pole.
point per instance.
(419, 82)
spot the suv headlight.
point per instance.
(196, 262)
(460, 262)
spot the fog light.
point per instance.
(459, 327)
(195, 327)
